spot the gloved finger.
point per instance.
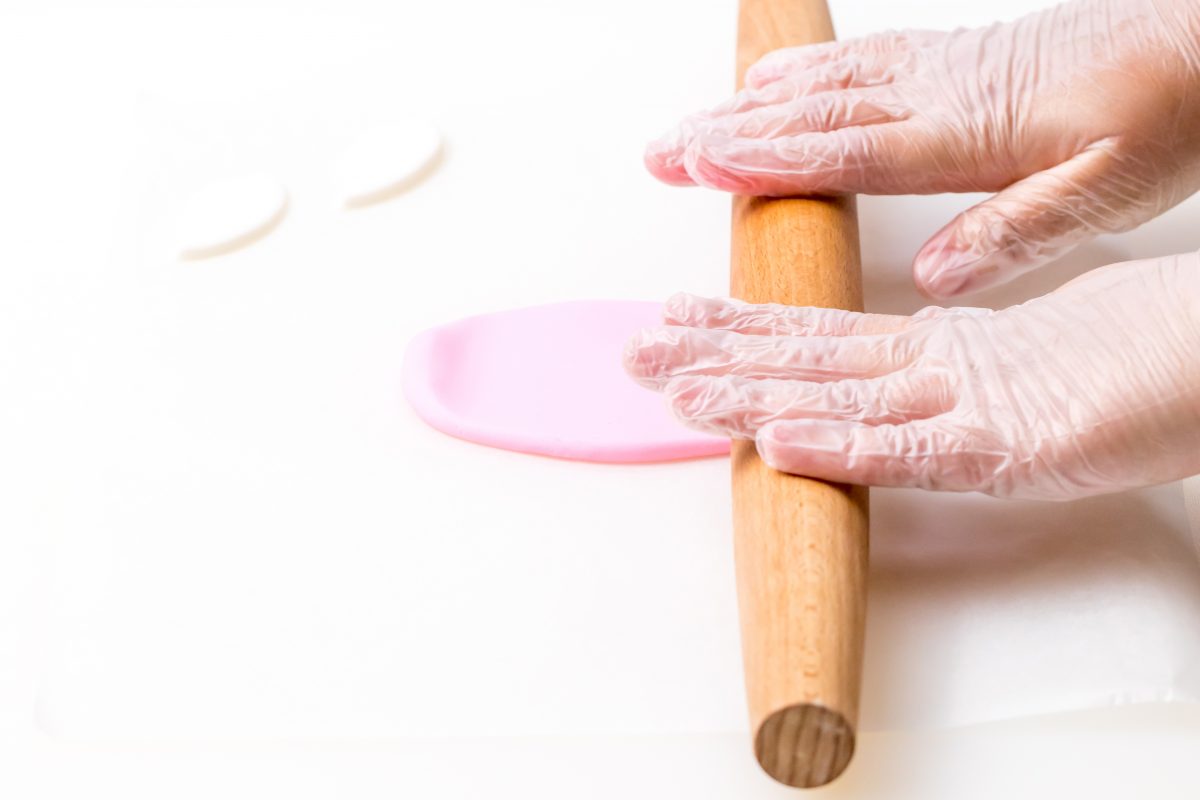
(787, 61)
(728, 405)
(1030, 223)
(772, 319)
(746, 100)
(854, 72)
(926, 454)
(876, 159)
(790, 61)
(774, 102)
(656, 355)
(828, 111)
(664, 156)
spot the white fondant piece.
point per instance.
(386, 161)
(229, 214)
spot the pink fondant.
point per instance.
(548, 380)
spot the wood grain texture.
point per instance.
(800, 544)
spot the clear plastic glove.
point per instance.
(1093, 388)
(1084, 119)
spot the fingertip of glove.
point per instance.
(768, 444)
(635, 357)
(701, 164)
(663, 159)
(652, 354)
(942, 270)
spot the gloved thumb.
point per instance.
(1030, 223)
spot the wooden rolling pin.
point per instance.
(800, 544)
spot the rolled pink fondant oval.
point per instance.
(548, 380)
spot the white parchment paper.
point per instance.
(982, 610)
(235, 527)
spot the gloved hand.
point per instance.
(1084, 119)
(1093, 388)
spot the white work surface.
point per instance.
(234, 564)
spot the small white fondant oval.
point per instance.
(228, 214)
(385, 161)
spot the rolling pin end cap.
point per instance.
(805, 745)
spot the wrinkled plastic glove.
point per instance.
(1084, 119)
(1093, 388)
